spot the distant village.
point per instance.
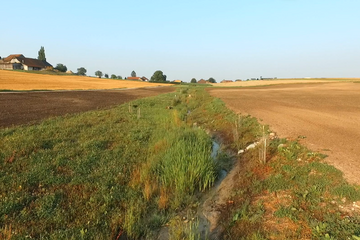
(20, 62)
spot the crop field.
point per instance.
(12, 80)
(255, 83)
(325, 115)
(28, 107)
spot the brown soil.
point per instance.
(254, 83)
(28, 107)
(327, 114)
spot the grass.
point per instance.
(102, 173)
(128, 171)
(125, 171)
(305, 196)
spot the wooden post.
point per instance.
(138, 113)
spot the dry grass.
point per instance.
(12, 80)
(281, 81)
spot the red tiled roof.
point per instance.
(202, 81)
(12, 56)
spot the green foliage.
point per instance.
(99, 74)
(158, 76)
(193, 80)
(106, 75)
(186, 166)
(113, 76)
(61, 67)
(81, 71)
(67, 172)
(133, 74)
(212, 80)
(41, 54)
(119, 77)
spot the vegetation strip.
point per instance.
(132, 169)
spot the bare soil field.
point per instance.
(325, 115)
(27, 107)
(12, 80)
(254, 83)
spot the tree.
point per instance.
(41, 54)
(81, 71)
(61, 67)
(212, 80)
(99, 74)
(133, 74)
(119, 77)
(158, 76)
(106, 75)
(193, 80)
(113, 76)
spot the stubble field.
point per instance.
(326, 116)
(12, 80)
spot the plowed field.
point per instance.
(326, 114)
(27, 107)
(12, 80)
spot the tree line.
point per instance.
(158, 75)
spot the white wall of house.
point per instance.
(26, 67)
(14, 60)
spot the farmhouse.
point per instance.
(19, 61)
(144, 79)
(202, 81)
(226, 81)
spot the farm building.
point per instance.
(177, 81)
(144, 79)
(226, 81)
(19, 61)
(202, 81)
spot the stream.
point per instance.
(203, 219)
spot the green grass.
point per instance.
(131, 169)
(101, 173)
(302, 190)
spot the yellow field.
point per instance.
(281, 81)
(11, 80)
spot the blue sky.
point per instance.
(190, 38)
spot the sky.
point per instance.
(228, 39)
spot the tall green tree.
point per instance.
(41, 54)
(99, 74)
(193, 80)
(106, 75)
(119, 77)
(212, 80)
(113, 76)
(133, 74)
(81, 71)
(158, 76)
(61, 67)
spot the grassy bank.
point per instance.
(103, 174)
(128, 171)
